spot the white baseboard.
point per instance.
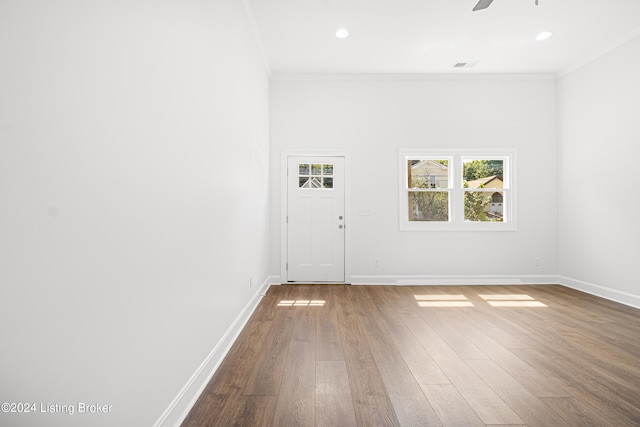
(180, 406)
(432, 280)
(276, 280)
(601, 291)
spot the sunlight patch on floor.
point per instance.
(440, 297)
(445, 304)
(443, 301)
(301, 303)
(509, 297)
(516, 304)
(494, 300)
(511, 300)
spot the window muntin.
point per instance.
(315, 175)
(457, 190)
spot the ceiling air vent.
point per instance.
(467, 64)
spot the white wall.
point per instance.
(372, 119)
(133, 199)
(599, 140)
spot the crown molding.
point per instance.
(599, 53)
(408, 76)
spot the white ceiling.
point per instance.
(430, 36)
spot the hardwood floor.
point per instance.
(339, 355)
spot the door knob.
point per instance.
(341, 226)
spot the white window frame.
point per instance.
(456, 191)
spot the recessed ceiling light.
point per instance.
(544, 35)
(342, 33)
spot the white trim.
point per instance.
(283, 205)
(451, 280)
(611, 294)
(180, 406)
(599, 53)
(409, 76)
(276, 280)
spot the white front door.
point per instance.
(316, 219)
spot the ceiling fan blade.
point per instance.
(482, 4)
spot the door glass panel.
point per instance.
(315, 175)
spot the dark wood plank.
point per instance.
(409, 402)
(255, 411)
(365, 303)
(217, 401)
(540, 383)
(428, 338)
(480, 397)
(524, 403)
(370, 399)
(445, 322)
(452, 409)
(576, 413)
(424, 369)
(268, 370)
(296, 401)
(334, 404)
(592, 390)
(328, 340)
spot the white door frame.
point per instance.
(284, 207)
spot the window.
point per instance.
(457, 190)
(428, 188)
(315, 175)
